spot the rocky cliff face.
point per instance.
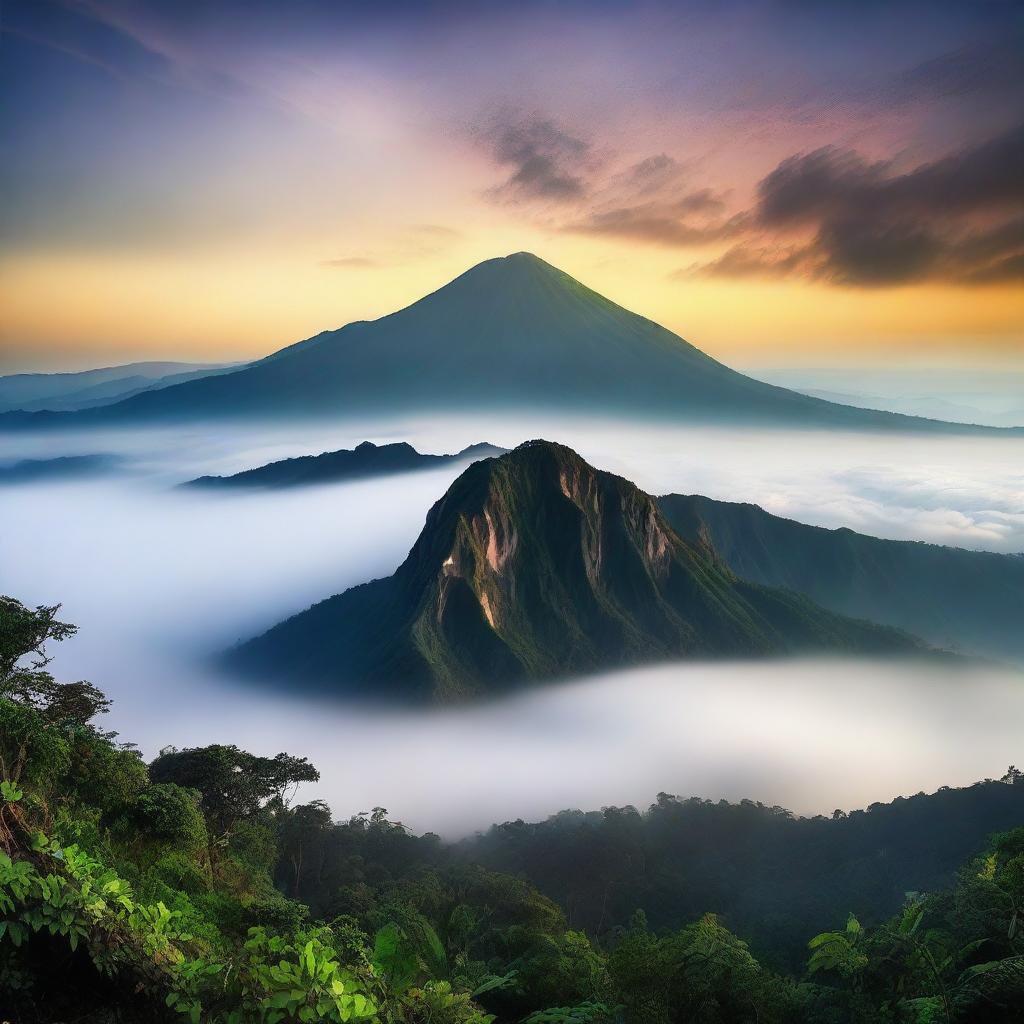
(536, 565)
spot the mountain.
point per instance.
(365, 460)
(510, 333)
(64, 467)
(535, 565)
(964, 600)
(961, 395)
(31, 392)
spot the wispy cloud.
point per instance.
(545, 161)
(650, 200)
(690, 220)
(991, 68)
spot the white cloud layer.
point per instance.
(158, 578)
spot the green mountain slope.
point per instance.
(513, 332)
(536, 565)
(966, 600)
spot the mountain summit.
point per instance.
(536, 565)
(510, 333)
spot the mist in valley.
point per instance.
(159, 579)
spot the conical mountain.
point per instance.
(513, 332)
(536, 565)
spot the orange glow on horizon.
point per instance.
(241, 305)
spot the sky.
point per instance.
(781, 183)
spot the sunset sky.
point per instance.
(781, 183)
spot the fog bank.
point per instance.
(157, 578)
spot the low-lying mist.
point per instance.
(158, 578)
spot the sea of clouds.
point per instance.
(159, 578)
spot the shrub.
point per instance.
(167, 814)
(31, 752)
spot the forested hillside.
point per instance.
(198, 888)
(533, 566)
(960, 600)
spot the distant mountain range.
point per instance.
(87, 389)
(970, 601)
(961, 394)
(65, 467)
(512, 332)
(536, 565)
(363, 461)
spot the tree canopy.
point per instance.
(195, 889)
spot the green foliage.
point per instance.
(31, 751)
(102, 775)
(394, 957)
(9, 792)
(233, 784)
(775, 878)
(152, 893)
(839, 951)
(274, 978)
(447, 625)
(437, 1003)
(65, 892)
(169, 815)
(701, 974)
(946, 958)
(582, 1013)
(564, 967)
(296, 979)
(906, 584)
(24, 632)
(179, 870)
(270, 909)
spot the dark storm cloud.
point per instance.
(829, 215)
(868, 255)
(546, 161)
(835, 183)
(957, 219)
(876, 253)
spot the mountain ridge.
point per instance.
(365, 461)
(956, 598)
(76, 390)
(511, 332)
(536, 565)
